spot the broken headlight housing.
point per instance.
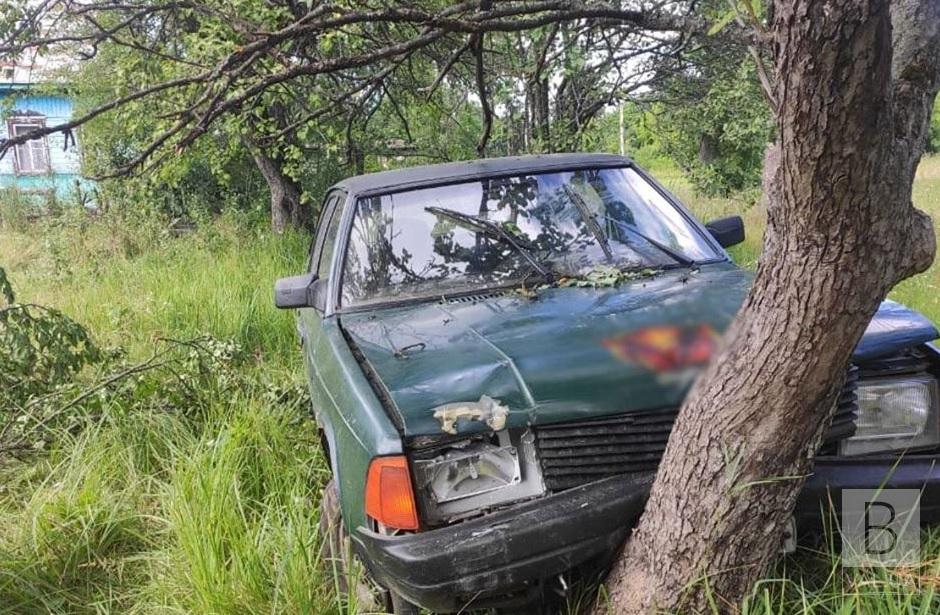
(895, 413)
(467, 477)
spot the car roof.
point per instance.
(453, 172)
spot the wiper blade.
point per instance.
(589, 220)
(680, 258)
(494, 230)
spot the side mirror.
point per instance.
(294, 292)
(727, 231)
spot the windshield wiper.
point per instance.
(494, 230)
(680, 258)
(589, 220)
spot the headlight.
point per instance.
(464, 478)
(895, 413)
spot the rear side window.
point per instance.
(321, 250)
(328, 237)
(317, 244)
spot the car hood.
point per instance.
(572, 353)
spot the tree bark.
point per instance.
(286, 208)
(841, 231)
(707, 148)
(537, 98)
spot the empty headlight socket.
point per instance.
(508, 469)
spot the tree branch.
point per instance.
(915, 72)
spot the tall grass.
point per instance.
(130, 285)
(152, 511)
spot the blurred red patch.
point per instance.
(665, 348)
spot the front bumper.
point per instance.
(500, 558)
(821, 498)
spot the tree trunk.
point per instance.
(537, 98)
(545, 116)
(286, 208)
(841, 232)
(707, 148)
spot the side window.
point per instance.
(317, 244)
(327, 236)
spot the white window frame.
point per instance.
(31, 157)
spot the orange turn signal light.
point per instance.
(390, 499)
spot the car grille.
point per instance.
(576, 453)
(843, 421)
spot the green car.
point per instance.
(496, 352)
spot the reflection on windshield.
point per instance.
(399, 249)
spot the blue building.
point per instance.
(49, 164)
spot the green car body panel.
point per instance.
(355, 424)
(547, 359)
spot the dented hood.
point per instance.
(571, 354)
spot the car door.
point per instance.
(310, 320)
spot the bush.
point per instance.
(720, 139)
(40, 349)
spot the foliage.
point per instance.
(195, 94)
(215, 174)
(605, 276)
(345, 104)
(42, 353)
(72, 247)
(718, 139)
(705, 112)
(933, 138)
(176, 475)
(40, 348)
(642, 142)
(599, 276)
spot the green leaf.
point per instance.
(755, 9)
(722, 22)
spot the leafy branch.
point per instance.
(335, 47)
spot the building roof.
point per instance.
(453, 172)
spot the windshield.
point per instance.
(497, 232)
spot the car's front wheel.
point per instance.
(400, 606)
(351, 579)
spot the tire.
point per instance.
(400, 606)
(350, 578)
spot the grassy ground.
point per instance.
(153, 511)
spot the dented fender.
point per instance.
(894, 328)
